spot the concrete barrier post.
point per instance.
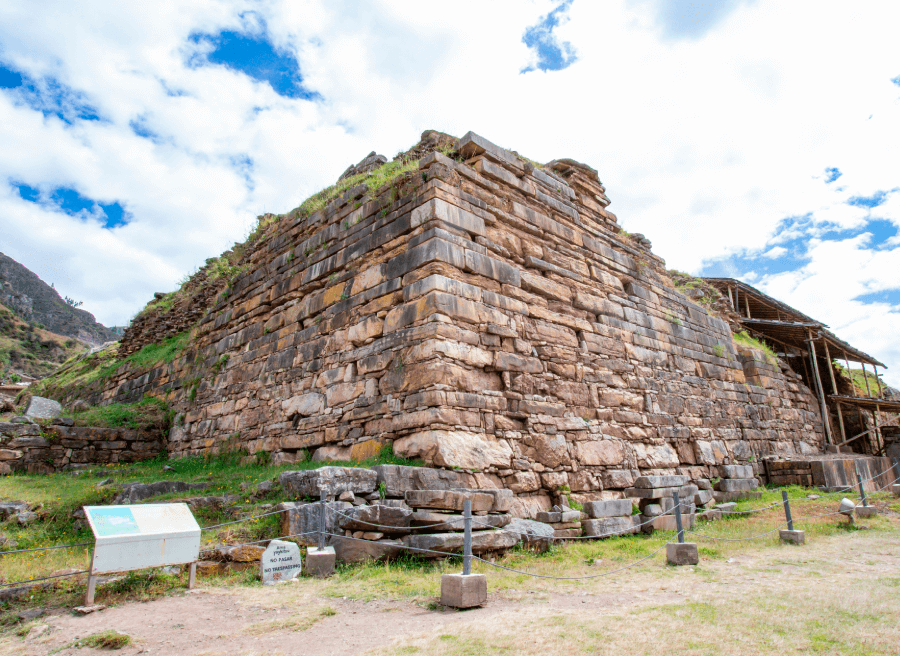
(681, 553)
(790, 535)
(464, 590)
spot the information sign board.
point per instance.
(146, 535)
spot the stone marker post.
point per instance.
(320, 560)
(790, 535)
(464, 590)
(681, 552)
(865, 510)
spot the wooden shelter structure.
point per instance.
(812, 350)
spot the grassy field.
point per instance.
(824, 614)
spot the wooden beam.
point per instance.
(826, 416)
(866, 378)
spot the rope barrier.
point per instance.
(61, 546)
(43, 578)
(243, 519)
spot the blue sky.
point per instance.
(138, 146)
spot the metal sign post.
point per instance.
(137, 537)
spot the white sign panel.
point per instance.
(148, 535)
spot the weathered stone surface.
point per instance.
(331, 480)
(134, 492)
(448, 500)
(280, 562)
(377, 518)
(737, 484)
(502, 498)
(455, 449)
(10, 508)
(608, 527)
(685, 492)
(304, 404)
(737, 471)
(685, 553)
(398, 479)
(482, 541)
(609, 508)
(41, 408)
(349, 550)
(320, 562)
(463, 590)
(424, 520)
(534, 535)
(660, 481)
(302, 520)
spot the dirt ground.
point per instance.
(836, 595)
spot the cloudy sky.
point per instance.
(753, 139)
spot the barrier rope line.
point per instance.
(243, 519)
(244, 544)
(43, 578)
(60, 546)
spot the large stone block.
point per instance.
(41, 408)
(482, 541)
(302, 520)
(661, 481)
(685, 492)
(737, 471)
(455, 449)
(609, 526)
(609, 508)
(440, 209)
(737, 484)
(331, 480)
(383, 519)
(398, 479)
(448, 500)
(502, 497)
(356, 550)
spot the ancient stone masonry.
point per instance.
(481, 314)
(38, 449)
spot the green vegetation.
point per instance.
(29, 349)
(697, 290)
(858, 378)
(148, 413)
(744, 339)
(103, 640)
(80, 374)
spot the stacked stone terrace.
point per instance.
(485, 315)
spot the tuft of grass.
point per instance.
(103, 640)
(300, 622)
(745, 339)
(150, 412)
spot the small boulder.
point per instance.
(41, 408)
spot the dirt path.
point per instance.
(299, 618)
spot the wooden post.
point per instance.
(834, 387)
(866, 378)
(879, 440)
(747, 305)
(91, 585)
(878, 382)
(826, 418)
(192, 576)
(731, 299)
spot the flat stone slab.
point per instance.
(331, 480)
(448, 500)
(672, 480)
(41, 408)
(10, 508)
(482, 541)
(609, 508)
(609, 527)
(400, 479)
(737, 471)
(376, 518)
(502, 497)
(866, 511)
(682, 553)
(896, 489)
(685, 492)
(666, 523)
(463, 590)
(280, 561)
(423, 520)
(358, 550)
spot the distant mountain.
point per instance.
(27, 351)
(35, 301)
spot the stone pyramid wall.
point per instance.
(481, 314)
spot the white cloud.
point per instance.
(705, 143)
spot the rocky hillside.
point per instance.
(36, 302)
(28, 351)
